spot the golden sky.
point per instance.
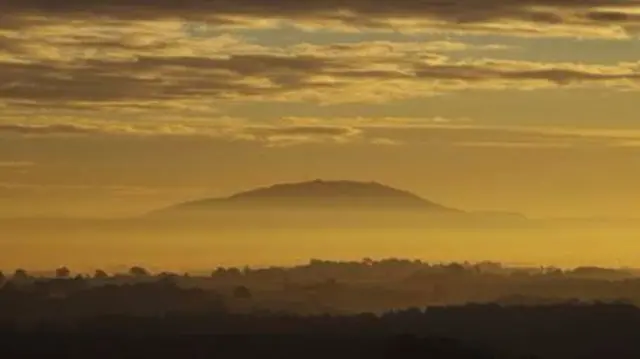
(114, 107)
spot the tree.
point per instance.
(219, 272)
(3, 279)
(63, 273)
(100, 274)
(168, 279)
(242, 292)
(226, 273)
(167, 275)
(368, 261)
(455, 268)
(247, 270)
(20, 275)
(137, 271)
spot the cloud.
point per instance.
(115, 190)
(329, 78)
(613, 16)
(383, 131)
(96, 128)
(385, 141)
(603, 17)
(54, 129)
(279, 136)
(390, 49)
(16, 164)
(377, 122)
(94, 66)
(304, 131)
(507, 144)
(268, 134)
(464, 132)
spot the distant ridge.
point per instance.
(318, 194)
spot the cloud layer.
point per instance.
(595, 17)
(356, 131)
(139, 67)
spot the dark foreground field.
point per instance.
(247, 346)
(375, 309)
(474, 331)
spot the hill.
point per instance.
(318, 195)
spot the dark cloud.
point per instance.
(451, 9)
(176, 77)
(269, 135)
(40, 66)
(555, 75)
(567, 76)
(613, 16)
(358, 12)
(253, 77)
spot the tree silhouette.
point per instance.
(63, 273)
(100, 274)
(242, 292)
(20, 275)
(168, 275)
(138, 271)
(368, 261)
(219, 272)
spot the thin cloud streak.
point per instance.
(357, 131)
(16, 164)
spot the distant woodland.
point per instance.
(368, 307)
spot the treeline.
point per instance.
(365, 270)
(346, 287)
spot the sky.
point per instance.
(117, 107)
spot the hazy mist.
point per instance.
(259, 239)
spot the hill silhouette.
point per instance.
(319, 194)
